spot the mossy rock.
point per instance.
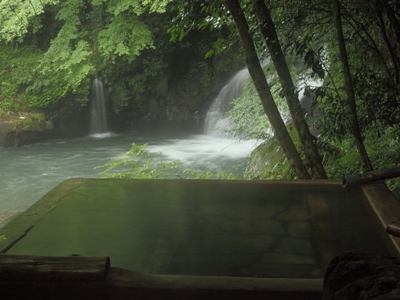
(268, 161)
(23, 128)
(263, 160)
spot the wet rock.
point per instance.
(18, 138)
(265, 155)
(362, 276)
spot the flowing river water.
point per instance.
(29, 172)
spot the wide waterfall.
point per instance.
(98, 122)
(216, 121)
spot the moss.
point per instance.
(26, 121)
(268, 161)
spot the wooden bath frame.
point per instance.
(119, 283)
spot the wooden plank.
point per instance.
(370, 177)
(125, 284)
(36, 268)
(386, 209)
(18, 227)
(393, 228)
(325, 235)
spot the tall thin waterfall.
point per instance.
(98, 122)
(216, 121)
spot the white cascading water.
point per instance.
(98, 122)
(59, 160)
(216, 122)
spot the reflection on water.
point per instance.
(27, 173)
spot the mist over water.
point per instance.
(31, 171)
(205, 152)
(216, 121)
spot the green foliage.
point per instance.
(8, 92)
(50, 48)
(125, 36)
(117, 7)
(140, 163)
(85, 38)
(30, 121)
(247, 116)
(343, 163)
(195, 174)
(383, 150)
(79, 39)
(144, 165)
(159, 6)
(268, 161)
(16, 70)
(67, 64)
(17, 17)
(197, 15)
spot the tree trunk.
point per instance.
(271, 39)
(393, 57)
(263, 89)
(350, 108)
(393, 20)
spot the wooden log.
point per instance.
(373, 176)
(393, 229)
(38, 268)
(125, 284)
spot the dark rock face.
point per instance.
(10, 137)
(23, 137)
(68, 121)
(182, 107)
(355, 276)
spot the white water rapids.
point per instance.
(27, 173)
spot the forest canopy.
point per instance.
(340, 59)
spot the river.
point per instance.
(29, 172)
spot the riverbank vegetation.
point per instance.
(141, 163)
(51, 50)
(328, 100)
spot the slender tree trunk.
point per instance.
(351, 106)
(278, 58)
(393, 57)
(263, 89)
(394, 21)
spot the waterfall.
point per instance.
(216, 122)
(98, 122)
